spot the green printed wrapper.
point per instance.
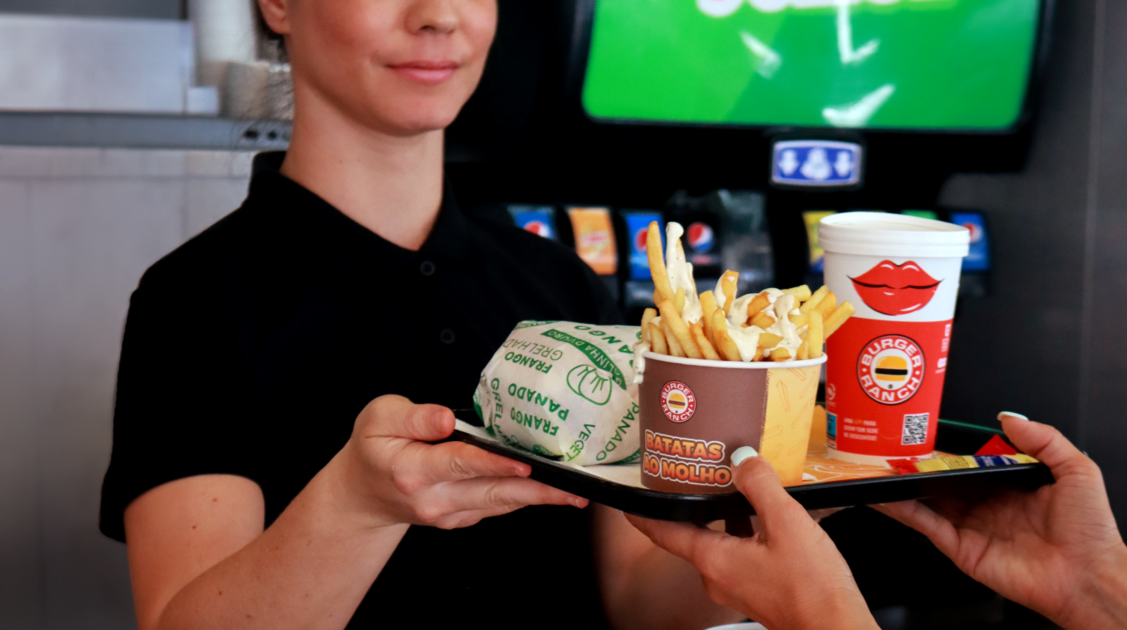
(566, 390)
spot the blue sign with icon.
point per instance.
(637, 224)
(540, 220)
(816, 163)
(979, 257)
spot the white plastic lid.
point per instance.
(892, 235)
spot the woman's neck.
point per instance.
(390, 184)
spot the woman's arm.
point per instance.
(643, 586)
(199, 557)
(1056, 550)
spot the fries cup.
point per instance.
(696, 413)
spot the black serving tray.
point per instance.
(954, 437)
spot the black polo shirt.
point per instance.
(251, 349)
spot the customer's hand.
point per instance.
(789, 575)
(394, 475)
(1056, 550)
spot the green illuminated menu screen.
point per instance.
(903, 64)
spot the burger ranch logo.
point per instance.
(891, 369)
(685, 460)
(678, 402)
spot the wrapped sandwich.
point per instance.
(566, 390)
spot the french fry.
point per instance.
(812, 303)
(780, 354)
(657, 339)
(836, 319)
(728, 283)
(804, 351)
(799, 320)
(815, 335)
(724, 344)
(675, 349)
(826, 306)
(657, 263)
(708, 307)
(758, 355)
(647, 317)
(763, 320)
(703, 343)
(671, 318)
(679, 300)
(801, 293)
(757, 304)
(769, 340)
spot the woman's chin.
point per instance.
(417, 122)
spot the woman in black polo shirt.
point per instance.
(270, 468)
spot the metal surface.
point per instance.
(52, 63)
(77, 229)
(141, 131)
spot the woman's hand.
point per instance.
(396, 476)
(1056, 550)
(789, 575)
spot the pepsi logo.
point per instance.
(640, 240)
(539, 228)
(678, 402)
(700, 236)
(891, 369)
(975, 231)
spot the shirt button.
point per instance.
(427, 268)
(446, 336)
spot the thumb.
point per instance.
(1042, 441)
(397, 417)
(758, 481)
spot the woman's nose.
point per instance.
(432, 16)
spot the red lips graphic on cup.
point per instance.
(892, 289)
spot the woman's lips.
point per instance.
(428, 72)
(892, 289)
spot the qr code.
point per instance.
(915, 429)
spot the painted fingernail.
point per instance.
(1011, 414)
(743, 453)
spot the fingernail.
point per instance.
(1011, 414)
(743, 453)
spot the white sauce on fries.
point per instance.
(781, 306)
(747, 339)
(640, 349)
(681, 273)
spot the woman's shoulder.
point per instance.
(216, 256)
(550, 266)
(532, 248)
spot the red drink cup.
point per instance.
(884, 377)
